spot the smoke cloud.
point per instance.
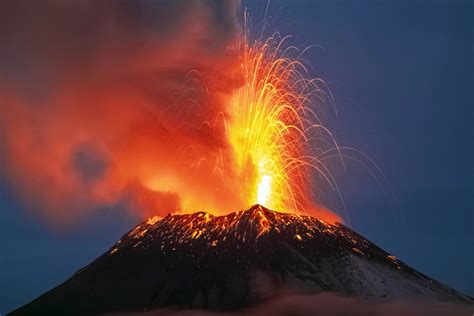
(106, 102)
(120, 102)
(325, 304)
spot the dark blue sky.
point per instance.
(402, 75)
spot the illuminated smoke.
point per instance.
(133, 101)
(101, 99)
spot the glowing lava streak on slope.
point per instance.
(276, 136)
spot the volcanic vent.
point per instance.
(226, 262)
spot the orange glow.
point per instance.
(273, 127)
(258, 222)
(270, 127)
(264, 189)
(172, 126)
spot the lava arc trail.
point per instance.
(274, 128)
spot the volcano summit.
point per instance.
(233, 261)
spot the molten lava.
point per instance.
(274, 136)
(274, 130)
(241, 227)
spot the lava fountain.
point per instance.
(274, 128)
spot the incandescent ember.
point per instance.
(244, 229)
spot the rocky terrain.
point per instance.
(234, 261)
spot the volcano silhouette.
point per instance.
(233, 261)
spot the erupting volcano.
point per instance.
(233, 261)
(200, 116)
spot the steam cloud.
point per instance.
(103, 102)
(325, 304)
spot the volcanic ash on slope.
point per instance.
(233, 261)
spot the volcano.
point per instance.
(233, 261)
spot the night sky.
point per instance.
(401, 73)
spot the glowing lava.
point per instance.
(276, 145)
(274, 130)
(264, 190)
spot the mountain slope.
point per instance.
(226, 262)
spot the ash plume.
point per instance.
(103, 102)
